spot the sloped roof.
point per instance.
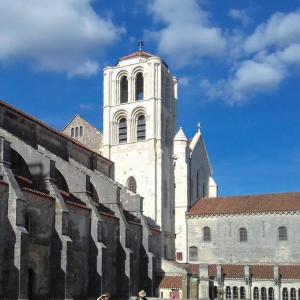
(268, 203)
(257, 271)
(170, 282)
(137, 54)
(56, 132)
(180, 135)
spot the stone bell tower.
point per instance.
(139, 125)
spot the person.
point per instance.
(141, 295)
(105, 296)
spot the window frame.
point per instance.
(139, 89)
(206, 234)
(193, 256)
(282, 233)
(141, 128)
(243, 235)
(124, 89)
(122, 136)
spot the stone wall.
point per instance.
(262, 245)
(68, 231)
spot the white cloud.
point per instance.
(252, 77)
(56, 35)
(270, 55)
(86, 106)
(187, 35)
(184, 81)
(240, 15)
(280, 30)
(291, 54)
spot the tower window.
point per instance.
(124, 90)
(131, 184)
(243, 235)
(76, 132)
(282, 233)
(141, 128)
(123, 131)
(139, 87)
(72, 132)
(80, 131)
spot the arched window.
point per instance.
(139, 87)
(243, 234)
(80, 131)
(76, 132)
(242, 293)
(206, 234)
(235, 292)
(270, 294)
(72, 132)
(141, 128)
(263, 292)
(293, 294)
(282, 233)
(298, 294)
(228, 292)
(285, 294)
(131, 184)
(193, 253)
(124, 90)
(255, 293)
(123, 130)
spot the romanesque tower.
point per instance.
(139, 125)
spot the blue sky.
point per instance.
(238, 64)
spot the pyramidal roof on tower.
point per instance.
(180, 136)
(137, 54)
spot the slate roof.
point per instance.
(268, 203)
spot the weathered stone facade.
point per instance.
(68, 230)
(85, 133)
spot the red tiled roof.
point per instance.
(290, 271)
(137, 54)
(257, 271)
(246, 204)
(168, 282)
(74, 141)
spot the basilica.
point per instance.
(134, 206)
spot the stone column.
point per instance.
(194, 287)
(97, 246)
(16, 219)
(220, 279)
(248, 281)
(204, 282)
(62, 247)
(277, 281)
(185, 286)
